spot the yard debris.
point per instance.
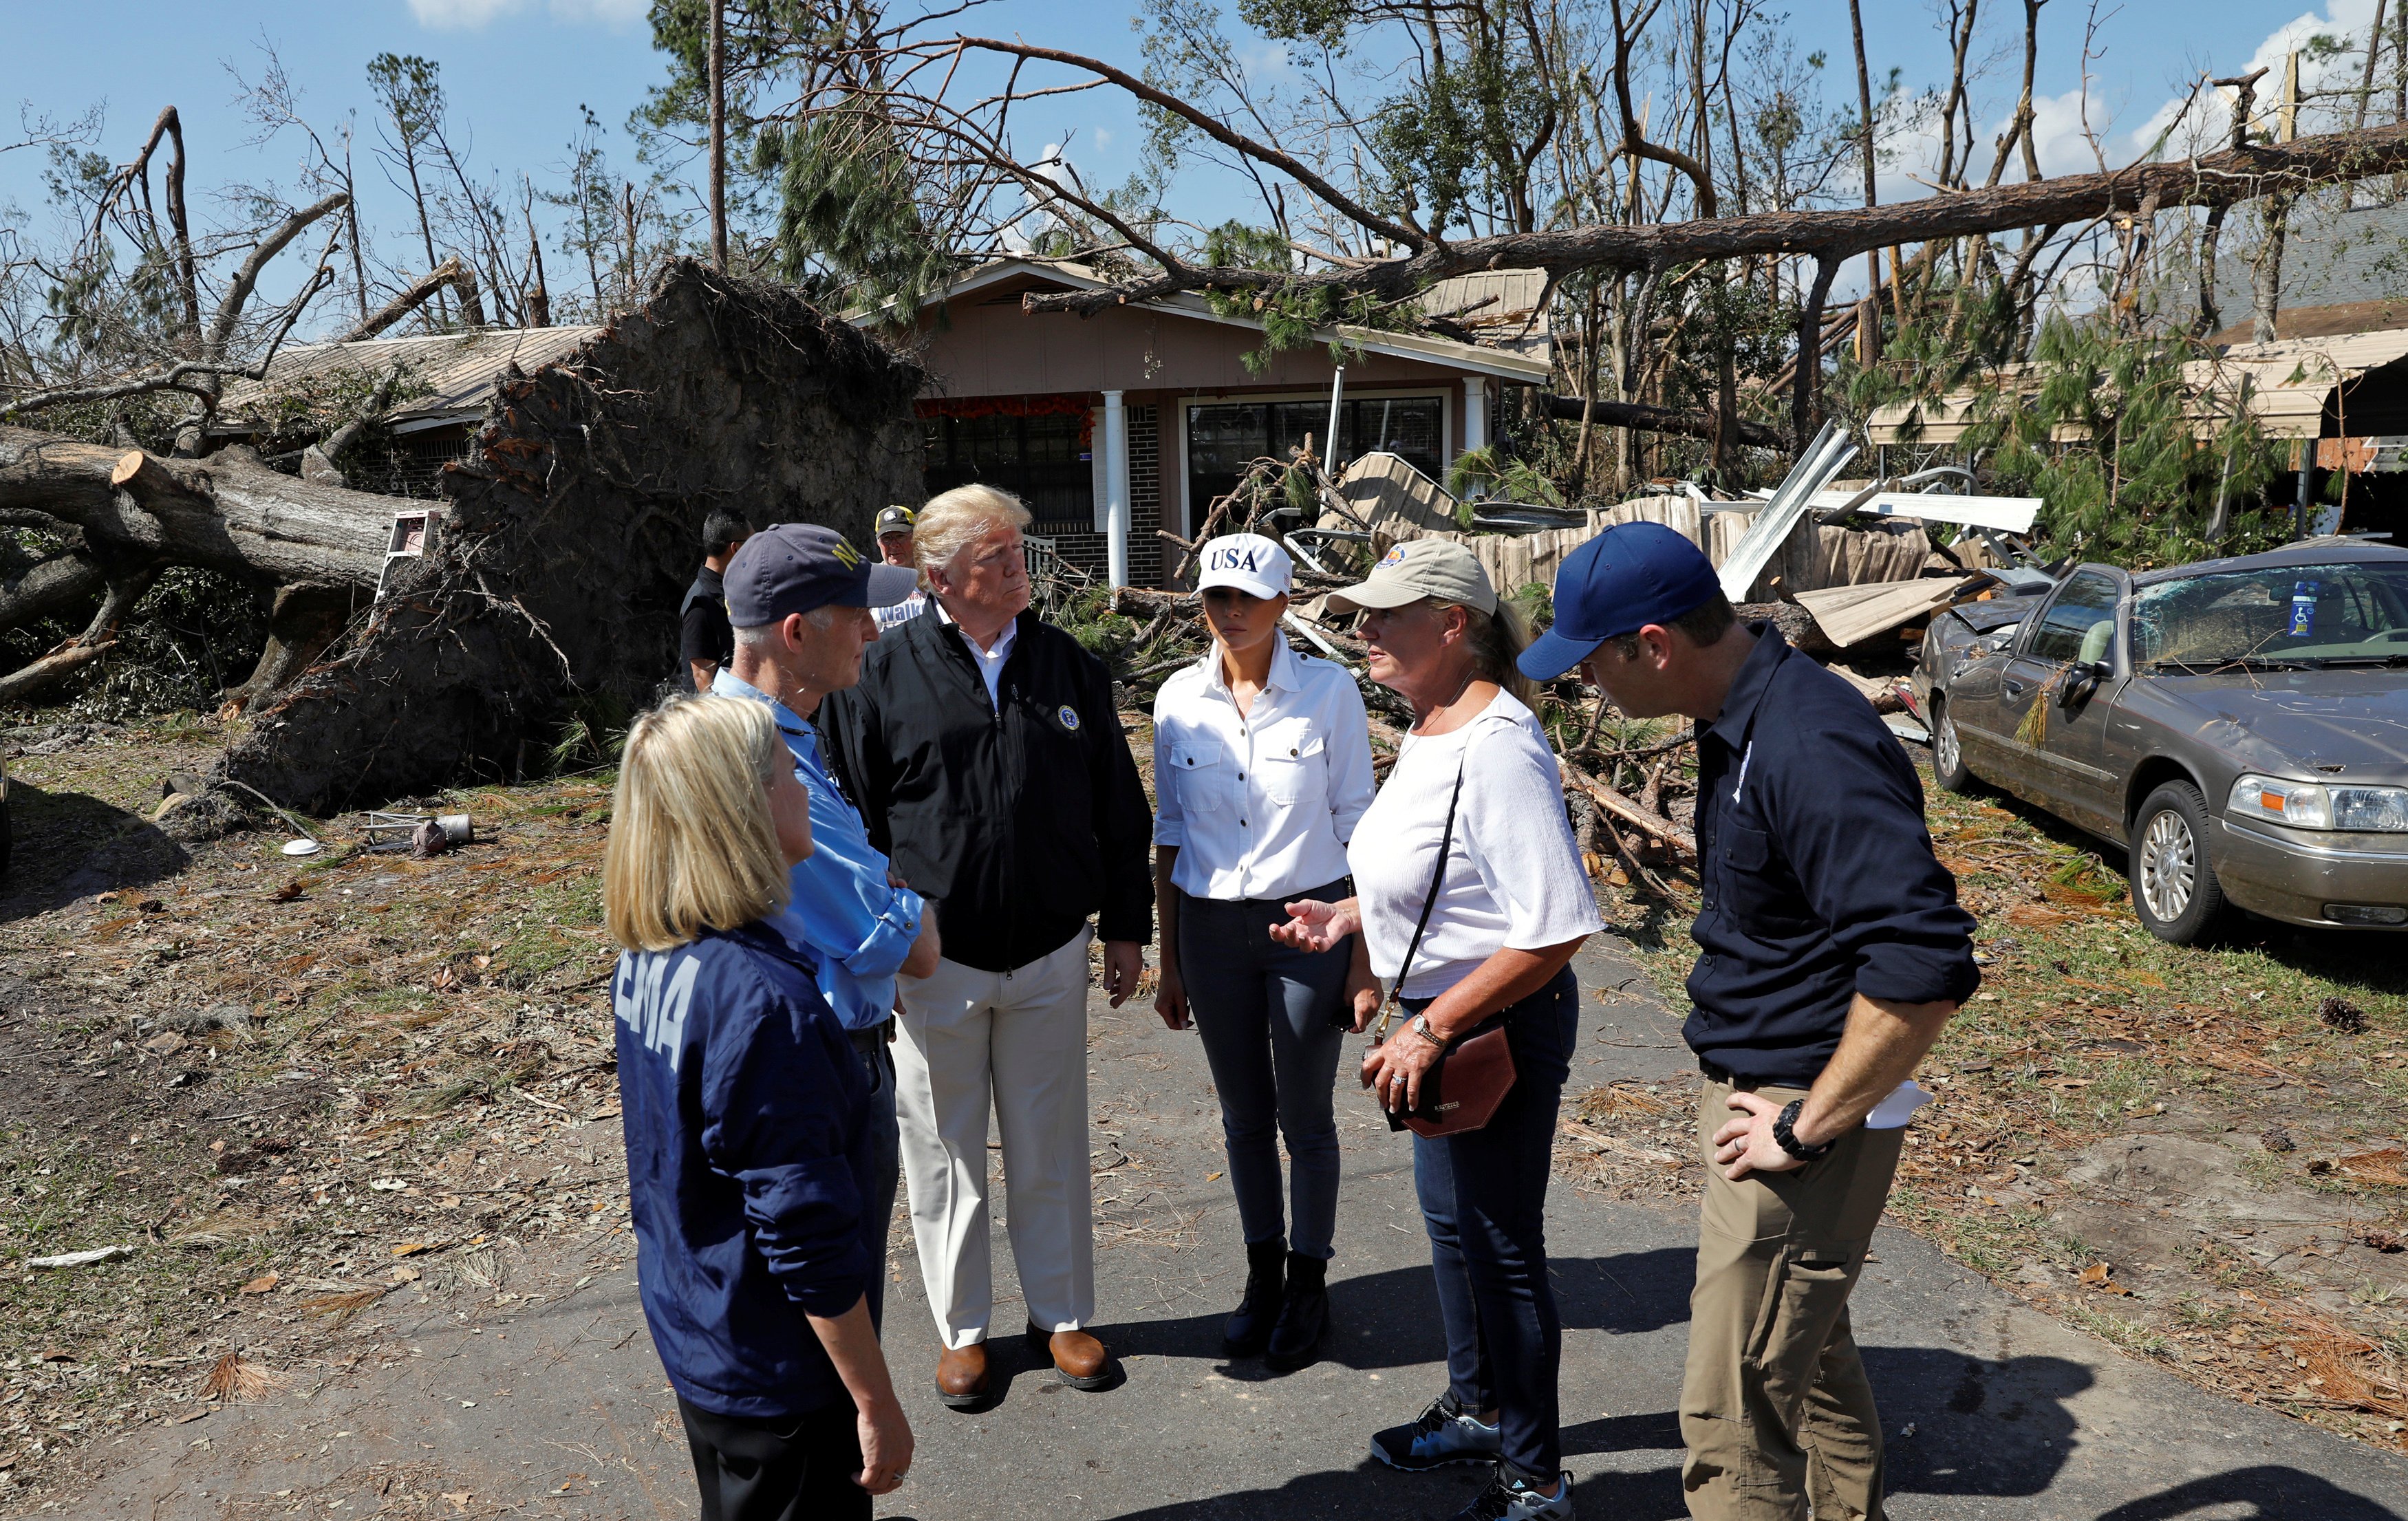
(2342, 1015)
(2385, 1241)
(233, 1378)
(2378, 1166)
(2278, 1139)
(79, 1259)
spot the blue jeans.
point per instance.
(1484, 1196)
(1264, 1012)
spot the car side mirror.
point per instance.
(2082, 679)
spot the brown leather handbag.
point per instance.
(1471, 1077)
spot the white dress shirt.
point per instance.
(1260, 805)
(990, 661)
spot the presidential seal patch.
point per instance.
(1069, 717)
(1395, 556)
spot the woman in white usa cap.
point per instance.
(1262, 765)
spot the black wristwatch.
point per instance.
(1787, 1138)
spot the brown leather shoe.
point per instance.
(961, 1375)
(1079, 1358)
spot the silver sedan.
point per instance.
(2240, 726)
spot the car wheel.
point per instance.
(2174, 891)
(1948, 753)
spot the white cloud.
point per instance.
(458, 15)
(474, 15)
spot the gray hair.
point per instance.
(759, 636)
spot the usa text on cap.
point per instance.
(1249, 561)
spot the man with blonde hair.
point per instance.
(984, 750)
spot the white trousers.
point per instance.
(1017, 1041)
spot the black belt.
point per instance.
(869, 1041)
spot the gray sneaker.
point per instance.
(1513, 1499)
(1444, 1435)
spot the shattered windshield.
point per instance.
(2310, 615)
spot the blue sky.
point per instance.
(517, 70)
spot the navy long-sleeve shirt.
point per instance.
(749, 1157)
(1820, 880)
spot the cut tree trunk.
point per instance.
(228, 513)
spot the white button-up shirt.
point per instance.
(1260, 805)
(990, 660)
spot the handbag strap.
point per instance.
(1438, 879)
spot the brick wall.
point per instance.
(1090, 551)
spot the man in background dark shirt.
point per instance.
(705, 641)
(1834, 952)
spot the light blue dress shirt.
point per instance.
(844, 911)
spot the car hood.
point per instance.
(2351, 724)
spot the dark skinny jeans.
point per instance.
(1484, 1196)
(1264, 1012)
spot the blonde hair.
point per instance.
(962, 516)
(1496, 639)
(693, 845)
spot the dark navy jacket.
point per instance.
(748, 1159)
(1820, 880)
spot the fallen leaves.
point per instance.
(2101, 1276)
(287, 892)
(265, 1282)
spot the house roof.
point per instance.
(2332, 257)
(1525, 361)
(463, 369)
(2288, 383)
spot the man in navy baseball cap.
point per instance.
(1617, 583)
(1834, 954)
(803, 566)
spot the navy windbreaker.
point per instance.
(748, 1159)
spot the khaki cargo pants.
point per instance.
(1775, 1410)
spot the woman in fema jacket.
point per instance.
(745, 1108)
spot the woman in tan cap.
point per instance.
(1471, 891)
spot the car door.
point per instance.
(2050, 750)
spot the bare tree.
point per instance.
(409, 90)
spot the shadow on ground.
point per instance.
(67, 845)
(1391, 1319)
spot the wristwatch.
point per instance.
(1786, 1138)
(1420, 1025)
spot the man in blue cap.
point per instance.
(1834, 951)
(804, 603)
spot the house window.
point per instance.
(1225, 437)
(1042, 459)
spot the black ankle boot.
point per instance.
(1304, 1318)
(1249, 1327)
